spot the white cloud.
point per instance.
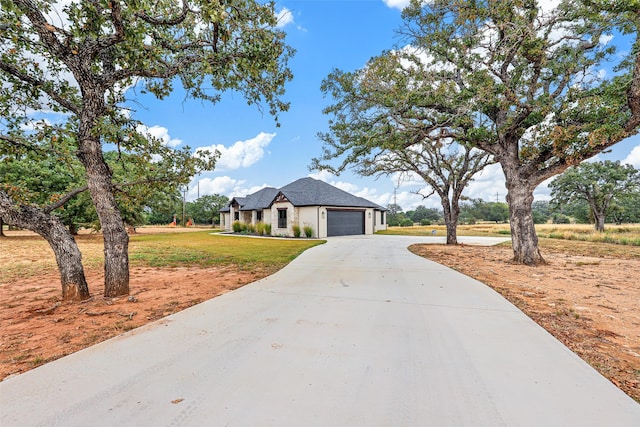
(325, 176)
(606, 38)
(284, 17)
(223, 185)
(160, 133)
(370, 194)
(548, 5)
(633, 158)
(397, 4)
(488, 185)
(241, 154)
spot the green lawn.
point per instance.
(24, 256)
(206, 249)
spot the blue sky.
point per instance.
(326, 34)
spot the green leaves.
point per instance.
(604, 186)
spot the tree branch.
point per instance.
(40, 84)
(64, 199)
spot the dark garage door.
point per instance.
(343, 223)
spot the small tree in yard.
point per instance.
(599, 184)
(79, 58)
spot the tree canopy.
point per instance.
(379, 126)
(602, 185)
(77, 60)
(525, 83)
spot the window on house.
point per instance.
(382, 218)
(259, 216)
(237, 216)
(282, 218)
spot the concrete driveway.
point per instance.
(356, 332)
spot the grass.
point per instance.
(495, 230)
(25, 256)
(203, 249)
(628, 234)
(618, 234)
(617, 241)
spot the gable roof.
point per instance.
(313, 192)
(303, 192)
(259, 200)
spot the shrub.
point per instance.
(237, 226)
(561, 219)
(267, 229)
(243, 227)
(406, 223)
(296, 230)
(308, 231)
(260, 228)
(251, 228)
(425, 221)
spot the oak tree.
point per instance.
(602, 185)
(80, 58)
(380, 126)
(529, 82)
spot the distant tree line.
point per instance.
(590, 193)
(625, 211)
(203, 211)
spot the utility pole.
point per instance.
(184, 206)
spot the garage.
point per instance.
(345, 222)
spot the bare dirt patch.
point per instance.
(37, 327)
(591, 304)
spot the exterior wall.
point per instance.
(288, 231)
(308, 216)
(314, 216)
(322, 222)
(225, 221)
(266, 216)
(233, 210)
(249, 217)
(368, 221)
(380, 222)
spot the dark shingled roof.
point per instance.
(259, 200)
(313, 192)
(303, 192)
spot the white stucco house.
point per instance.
(328, 210)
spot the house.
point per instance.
(328, 210)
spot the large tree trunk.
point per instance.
(1, 228)
(68, 256)
(116, 239)
(523, 232)
(599, 221)
(451, 212)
